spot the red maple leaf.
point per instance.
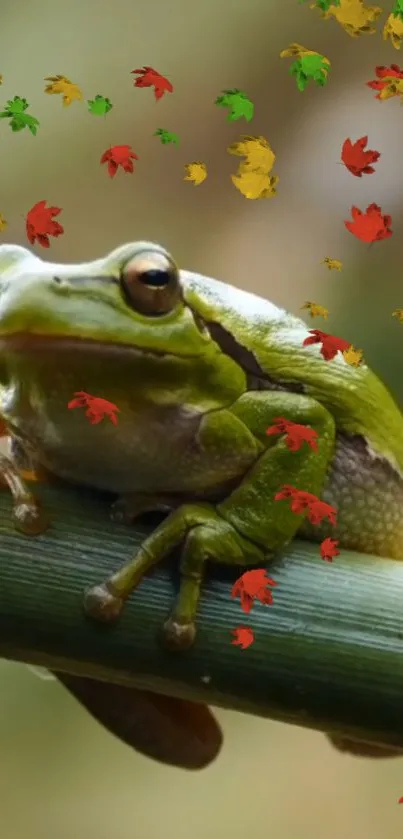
(394, 71)
(331, 345)
(356, 160)
(244, 637)
(253, 584)
(97, 408)
(119, 156)
(328, 549)
(40, 225)
(296, 434)
(370, 226)
(302, 501)
(150, 78)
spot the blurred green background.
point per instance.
(61, 775)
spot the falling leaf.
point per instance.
(315, 310)
(196, 172)
(322, 5)
(309, 65)
(40, 225)
(166, 137)
(15, 112)
(332, 264)
(356, 160)
(393, 30)
(100, 106)
(3, 223)
(1, 79)
(150, 78)
(352, 356)
(303, 502)
(62, 85)
(97, 408)
(244, 637)
(295, 434)
(255, 184)
(398, 313)
(388, 82)
(355, 18)
(330, 344)
(253, 585)
(119, 156)
(370, 226)
(328, 549)
(239, 103)
(259, 157)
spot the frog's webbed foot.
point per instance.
(129, 507)
(205, 536)
(27, 515)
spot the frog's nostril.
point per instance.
(57, 280)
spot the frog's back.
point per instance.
(356, 398)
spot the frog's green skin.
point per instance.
(197, 388)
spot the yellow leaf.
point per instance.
(196, 172)
(62, 85)
(334, 264)
(3, 223)
(353, 356)
(255, 185)
(393, 30)
(393, 87)
(398, 313)
(355, 18)
(259, 156)
(1, 79)
(315, 310)
(297, 50)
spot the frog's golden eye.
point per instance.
(150, 283)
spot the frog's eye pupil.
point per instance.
(156, 278)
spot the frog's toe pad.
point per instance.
(178, 635)
(101, 604)
(29, 519)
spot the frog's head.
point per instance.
(131, 298)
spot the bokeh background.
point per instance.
(61, 774)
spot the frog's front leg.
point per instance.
(245, 526)
(27, 515)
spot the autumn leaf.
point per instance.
(63, 86)
(1, 79)
(355, 18)
(15, 111)
(253, 585)
(305, 502)
(328, 549)
(310, 67)
(296, 434)
(322, 5)
(148, 77)
(3, 223)
(239, 104)
(356, 160)
(352, 356)
(255, 185)
(97, 408)
(370, 226)
(119, 156)
(315, 310)
(166, 137)
(331, 345)
(388, 82)
(259, 157)
(100, 106)
(332, 264)
(196, 172)
(393, 30)
(244, 637)
(398, 313)
(40, 225)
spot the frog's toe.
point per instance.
(178, 635)
(102, 604)
(29, 518)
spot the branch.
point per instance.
(327, 654)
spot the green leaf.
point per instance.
(100, 106)
(239, 103)
(166, 136)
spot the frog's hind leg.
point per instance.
(27, 516)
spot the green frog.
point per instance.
(199, 371)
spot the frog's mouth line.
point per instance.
(45, 343)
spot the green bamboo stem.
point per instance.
(328, 654)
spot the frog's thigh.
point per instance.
(251, 507)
